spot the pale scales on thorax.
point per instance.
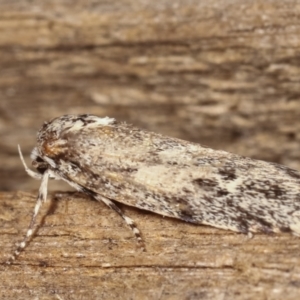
(114, 161)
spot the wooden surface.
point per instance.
(83, 250)
(225, 73)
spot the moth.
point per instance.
(115, 163)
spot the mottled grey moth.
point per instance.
(116, 162)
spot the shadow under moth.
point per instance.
(116, 162)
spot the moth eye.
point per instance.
(40, 165)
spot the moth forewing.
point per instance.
(178, 179)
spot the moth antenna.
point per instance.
(42, 197)
(128, 220)
(31, 173)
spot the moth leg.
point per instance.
(31, 173)
(42, 196)
(128, 220)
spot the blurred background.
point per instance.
(219, 73)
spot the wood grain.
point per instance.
(224, 73)
(83, 250)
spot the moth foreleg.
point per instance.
(42, 196)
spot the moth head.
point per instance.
(37, 162)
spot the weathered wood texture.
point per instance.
(83, 250)
(224, 73)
